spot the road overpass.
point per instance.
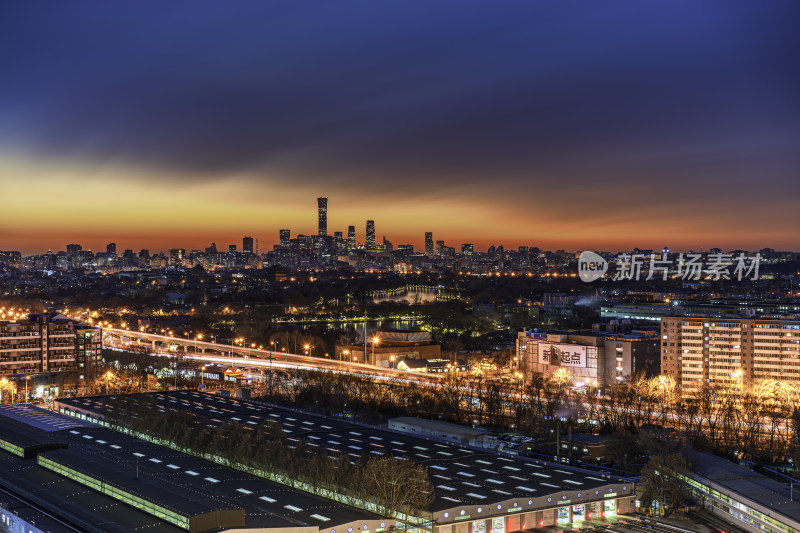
(243, 356)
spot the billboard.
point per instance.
(562, 355)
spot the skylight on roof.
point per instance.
(212, 480)
(320, 517)
(476, 495)
(192, 473)
(466, 474)
(267, 499)
(292, 508)
(524, 488)
(445, 487)
(244, 491)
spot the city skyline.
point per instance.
(261, 244)
(608, 127)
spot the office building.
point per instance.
(285, 237)
(370, 245)
(467, 249)
(247, 245)
(727, 352)
(593, 359)
(111, 250)
(351, 237)
(429, 243)
(48, 343)
(176, 256)
(322, 216)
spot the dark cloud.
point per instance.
(434, 93)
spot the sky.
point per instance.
(565, 125)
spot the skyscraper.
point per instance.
(351, 237)
(467, 249)
(429, 243)
(247, 245)
(111, 249)
(285, 236)
(322, 215)
(370, 245)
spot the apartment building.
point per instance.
(48, 343)
(727, 352)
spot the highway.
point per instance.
(248, 357)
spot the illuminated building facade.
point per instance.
(727, 352)
(429, 243)
(48, 343)
(590, 359)
(322, 216)
(370, 235)
(247, 245)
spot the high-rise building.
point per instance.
(467, 249)
(727, 352)
(73, 249)
(370, 245)
(111, 250)
(351, 237)
(176, 256)
(429, 243)
(285, 237)
(439, 247)
(247, 245)
(322, 216)
(49, 343)
(337, 235)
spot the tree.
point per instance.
(397, 485)
(662, 482)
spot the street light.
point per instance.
(375, 340)
(392, 358)
(26, 388)
(202, 375)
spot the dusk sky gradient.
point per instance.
(566, 124)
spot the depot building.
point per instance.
(475, 490)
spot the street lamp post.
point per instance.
(26, 388)
(375, 340)
(202, 375)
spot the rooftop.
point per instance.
(461, 475)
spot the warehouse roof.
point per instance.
(461, 475)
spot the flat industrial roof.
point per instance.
(187, 484)
(752, 485)
(461, 475)
(85, 509)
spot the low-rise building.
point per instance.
(593, 359)
(452, 433)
